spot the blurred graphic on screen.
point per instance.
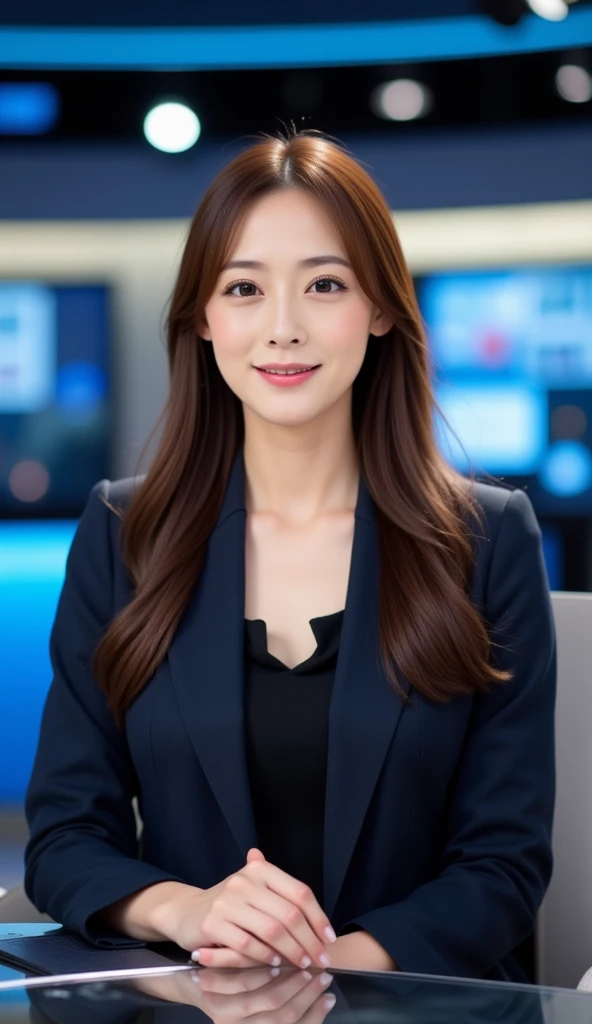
(55, 394)
(512, 359)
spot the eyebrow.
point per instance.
(311, 261)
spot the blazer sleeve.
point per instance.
(82, 854)
(496, 863)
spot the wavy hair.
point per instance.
(429, 629)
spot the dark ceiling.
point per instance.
(232, 12)
(111, 105)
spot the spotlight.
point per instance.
(172, 127)
(403, 99)
(573, 83)
(551, 10)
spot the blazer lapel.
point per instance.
(206, 664)
(364, 709)
(206, 660)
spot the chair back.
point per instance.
(564, 929)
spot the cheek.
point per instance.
(228, 330)
(345, 335)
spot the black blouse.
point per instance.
(286, 735)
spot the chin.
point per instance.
(288, 417)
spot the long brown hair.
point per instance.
(429, 629)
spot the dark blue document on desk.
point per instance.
(63, 952)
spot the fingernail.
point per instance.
(306, 961)
(276, 961)
(324, 960)
(329, 1001)
(307, 975)
(325, 979)
(329, 934)
(195, 977)
(274, 972)
(195, 955)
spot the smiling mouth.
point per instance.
(287, 373)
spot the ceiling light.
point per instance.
(403, 99)
(574, 83)
(552, 10)
(172, 127)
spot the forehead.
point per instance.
(291, 223)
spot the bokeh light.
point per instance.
(172, 127)
(28, 480)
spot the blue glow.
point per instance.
(265, 46)
(80, 385)
(27, 108)
(567, 469)
(553, 555)
(32, 565)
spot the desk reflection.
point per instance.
(293, 997)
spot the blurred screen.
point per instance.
(55, 392)
(512, 361)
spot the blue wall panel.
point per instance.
(32, 564)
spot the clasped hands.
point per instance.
(261, 915)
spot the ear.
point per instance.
(381, 323)
(203, 329)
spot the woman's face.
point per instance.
(293, 300)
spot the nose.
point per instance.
(286, 327)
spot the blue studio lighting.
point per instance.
(266, 46)
(32, 566)
(567, 470)
(28, 108)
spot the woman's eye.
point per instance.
(326, 283)
(243, 287)
(246, 289)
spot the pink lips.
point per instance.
(285, 380)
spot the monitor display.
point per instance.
(512, 362)
(55, 395)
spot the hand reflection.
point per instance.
(232, 996)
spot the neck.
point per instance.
(300, 473)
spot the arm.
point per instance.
(496, 863)
(82, 855)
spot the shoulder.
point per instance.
(99, 524)
(117, 494)
(503, 509)
(113, 496)
(507, 546)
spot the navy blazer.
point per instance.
(438, 815)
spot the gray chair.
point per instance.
(564, 930)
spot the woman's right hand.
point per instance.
(260, 914)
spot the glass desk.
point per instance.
(255, 997)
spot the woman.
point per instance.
(321, 660)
